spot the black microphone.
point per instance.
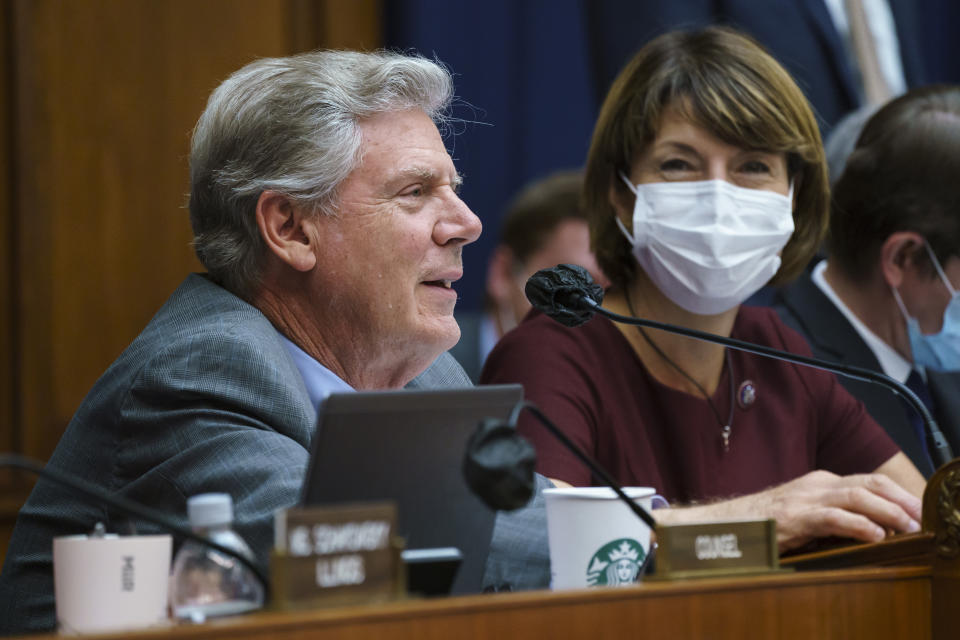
(568, 294)
(96, 495)
(561, 292)
(499, 463)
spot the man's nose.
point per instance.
(458, 225)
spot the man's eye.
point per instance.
(415, 191)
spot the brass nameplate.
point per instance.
(335, 555)
(716, 549)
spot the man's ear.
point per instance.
(898, 257)
(500, 271)
(283, 229)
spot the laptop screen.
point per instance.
(407, 446)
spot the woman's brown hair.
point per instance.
(726, 83)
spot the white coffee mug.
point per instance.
(110, 583)
(595, 539)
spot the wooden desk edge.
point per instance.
(291, 621)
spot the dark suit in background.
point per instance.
(804, 307)
(799, 33)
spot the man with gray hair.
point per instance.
(325, 210)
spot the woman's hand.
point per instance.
(817, 505)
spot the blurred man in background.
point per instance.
(886, 297)
(544, 226)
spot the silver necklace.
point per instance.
(726, 428)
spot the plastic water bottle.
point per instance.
(204, 582)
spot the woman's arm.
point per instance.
(817, 505)
(901, 470)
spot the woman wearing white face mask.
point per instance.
(705, 181)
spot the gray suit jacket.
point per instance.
(206, 398)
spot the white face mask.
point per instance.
(708, 245)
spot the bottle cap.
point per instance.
(210, 510)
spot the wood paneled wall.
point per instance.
(10, 493)
(97, 101)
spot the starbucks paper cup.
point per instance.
(595, 539)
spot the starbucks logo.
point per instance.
(617, 562)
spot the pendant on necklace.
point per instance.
(725, 434)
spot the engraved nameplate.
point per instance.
(716, 548)
(335, 555)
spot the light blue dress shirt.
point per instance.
(319, 380)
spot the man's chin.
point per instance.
(451, 337)
(432, 346)
(438, 325)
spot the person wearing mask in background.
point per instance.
(886, 297)
(544, 226)
(706, 180)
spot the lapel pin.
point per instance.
(747, 394)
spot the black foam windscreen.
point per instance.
(560, 292)
(498, 466)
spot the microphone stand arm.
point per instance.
(936, 442)
(94, 495)
(595, 467)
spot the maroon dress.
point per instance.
(591, 383)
